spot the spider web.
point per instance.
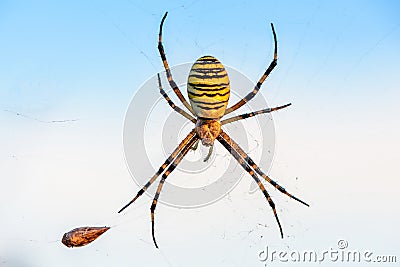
(61, 158)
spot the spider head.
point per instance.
(208, 130)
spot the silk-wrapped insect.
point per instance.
(82, 236)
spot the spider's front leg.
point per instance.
(167, 162)
(248, 164)
(234, 146)
(175, 163)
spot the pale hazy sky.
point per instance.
(84, 60)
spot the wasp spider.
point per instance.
(208, 90)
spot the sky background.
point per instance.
(82, 61)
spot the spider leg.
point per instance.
(243, 154)
(178, 159)
(228, 145)
(172, 104)
(168, 71)
(162, 168)
(250, 95)
(252, 114)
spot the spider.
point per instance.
(208, 91)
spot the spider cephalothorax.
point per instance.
(208, 90)
(208, 130)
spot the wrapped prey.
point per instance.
(82, 236)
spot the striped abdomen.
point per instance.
(208, 88)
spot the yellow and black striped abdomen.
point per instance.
(208, 88)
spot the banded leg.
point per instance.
(250, 95)
(243, 154)
(252, 114)
(162, 168)
(178, 159)
(168, 71)
(172, 104)
(242, 162)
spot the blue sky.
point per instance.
(70, 44)
(338, 65)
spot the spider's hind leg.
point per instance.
(256, 88)
(252, 114)
(172, 104)
(167, 69)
